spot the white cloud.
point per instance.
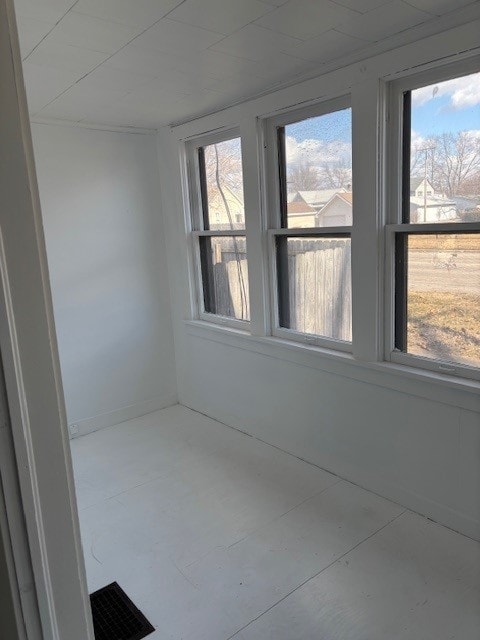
(463, 92)
(317, 152)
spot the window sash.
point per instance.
(205, 295)
(199, 227)
(278, 219)
(399, 227)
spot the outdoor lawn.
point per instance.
(444, 325)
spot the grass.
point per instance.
(444, 325)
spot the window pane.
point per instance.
(223, 203)
(445, 151)
(315, 293)
(318, 172)
(225, 276)
(443, 299)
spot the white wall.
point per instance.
(108, 271)
(408, 435)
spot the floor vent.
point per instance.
(115, 617)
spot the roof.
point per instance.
(431, 201)
(415, 182)
(321, 196)
(299, 207)
(346, 197)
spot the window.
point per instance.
(311, 224)
(219, 230)
(437, 244)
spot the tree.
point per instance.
(457, 158)
(303, 177)
(453, 162)
(337, 176)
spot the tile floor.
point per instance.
(216, 535)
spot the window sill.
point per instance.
(438, 387)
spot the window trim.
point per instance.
(397, 222)
(197, 225)
(275, 228)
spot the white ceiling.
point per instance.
(146, 63)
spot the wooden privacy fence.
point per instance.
(320, 290)
(230, 278)
(320, 287)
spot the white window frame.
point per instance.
(197, 227)
(275, 229)
(395, 225)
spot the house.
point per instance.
(420, 187)
(263, 432)
(337, 212)
(316, 199)
(432, 209)
(226, 208)
(300, 214)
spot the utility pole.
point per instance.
(425, 187)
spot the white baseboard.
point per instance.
(129, 412)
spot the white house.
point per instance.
(432, 209)
(419, 187)
(337, 212)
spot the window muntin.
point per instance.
(219, 229)
(312, 246)
(437, 244)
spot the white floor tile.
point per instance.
(209, 531)
(414, 579)
(252, 575)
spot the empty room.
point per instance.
(240, 320)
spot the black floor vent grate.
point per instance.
(115, 617)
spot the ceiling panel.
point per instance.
(275, 3)
(80, 30)
(362, 6)
(116, 79)
(439, 7)
(44, 84)
(30, 32)
(254, 43)
(150, 62)
(306, 18)
(171, 36)
(133, 13)
(385, 21)
(328, 46)
(137, 60)
(222, 16)
(81, 102)
(214, 64)
(46, 10)
(64, 56)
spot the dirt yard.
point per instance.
(445, 325)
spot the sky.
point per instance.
(450, 106)
(324, 139)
